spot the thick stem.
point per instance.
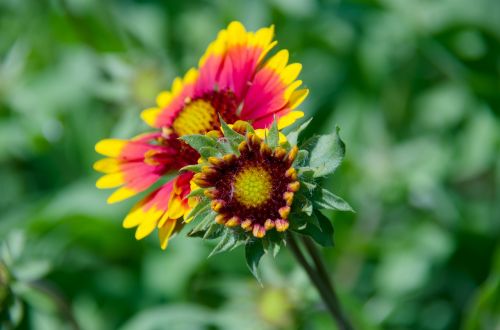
(323, 288)
(323, 273)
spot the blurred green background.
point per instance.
(414, 86)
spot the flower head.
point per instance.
(255, 186)
(254, 189)
(234, 80)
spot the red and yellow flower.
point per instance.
(233, 80)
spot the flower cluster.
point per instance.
(235, 80)
(238, 176)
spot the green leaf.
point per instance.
(225, 147)
(323, 234)
(306, 178)
(301, 158)
(204, 220)
(206, 152)
(254, 251)
(324, 199)
(234, 138)
(193, 168)
(198, 141)
(326, 153)
(229, 241)
(213, 231)
(196, 192)
(200, 207)
(294, 135)
(250, 128)
(273, 136)
(271, 246)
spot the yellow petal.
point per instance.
(263, 36)
(121, 194)
(165, 232)
(110, 181)
(297, 97)
(290, 72)
(236, 33)
(177, 86)
(175, 208)
(190, 76)
(148, 224)
(163, 99)
(291, 88)
(110, 147)
(134, 217)
(149, 116)
(107, 165)
(163, 219)
(263, 132)
(278, 61)
(266, 50)
(289, 119)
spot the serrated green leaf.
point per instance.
(202, 205)
(203, 220)
(206, 152)
(324, 199)
(273, 135)
(213, 231)
(307, 208)
(198, 141)
(301, 158)
(298, 220)
(294, 135)
(271, 246)
(228, 241)
(322, 234)
(225, 147)
(193, 168)
(249, 128)
(326, 154)
(306, 178)
(233, 137)
(254, 251)
(196, 192)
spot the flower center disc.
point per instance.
(197, 117)
(252, 186)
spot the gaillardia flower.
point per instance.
(235, 79)
(254, 189)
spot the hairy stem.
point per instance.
(325, 277)
(324, 289)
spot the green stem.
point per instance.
(60, 302)
(325, 277)
(323, 288)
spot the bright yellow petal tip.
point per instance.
(110, 181)
(149, 116)
(121, 194)
(289, 119)
(110, 147)
(107, 165)
(165, 231)
(148, 224)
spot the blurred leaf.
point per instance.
(253, 252)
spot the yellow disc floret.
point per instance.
(252, 186)
(197, 117)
